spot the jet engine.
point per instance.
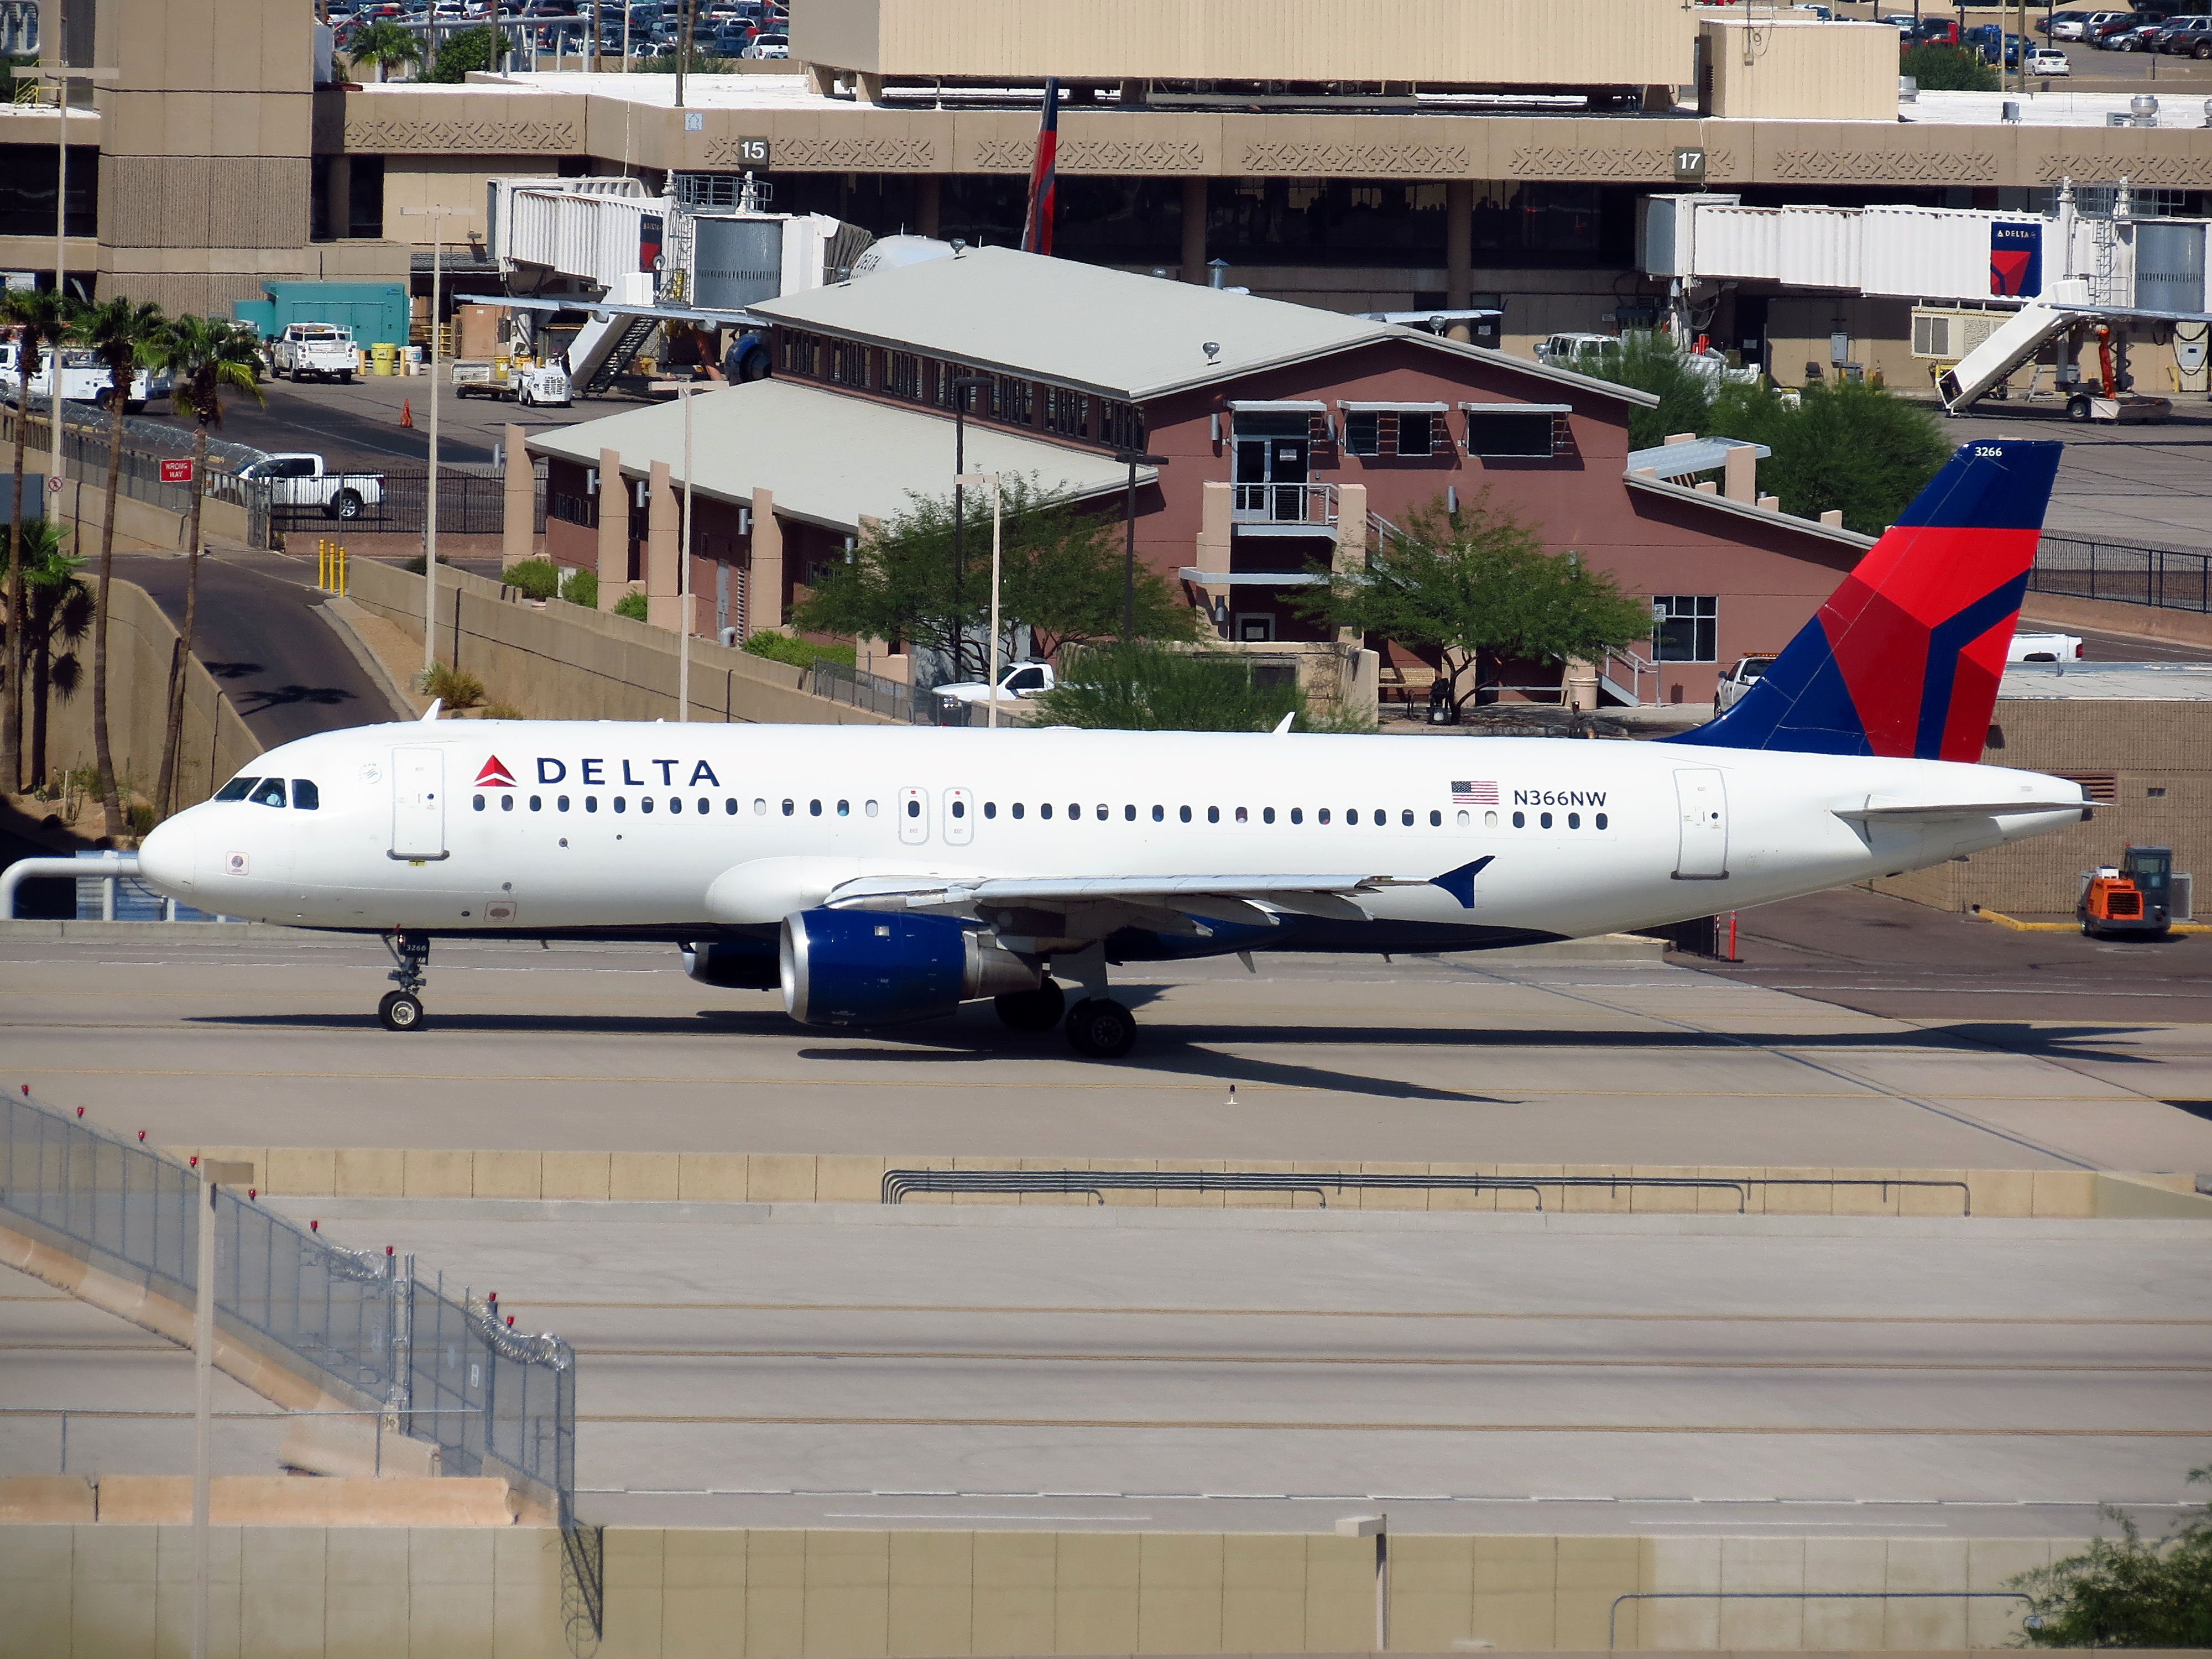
(875, 968)
(734, 964)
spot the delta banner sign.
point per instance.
(2016, 260)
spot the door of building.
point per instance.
(1273, 456)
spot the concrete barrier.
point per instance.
(284, 1500)
(107, 1588)
(559, 661)
(847, 1178)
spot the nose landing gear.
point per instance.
(402, 1009)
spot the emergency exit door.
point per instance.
(418, 804)
(1701, 851)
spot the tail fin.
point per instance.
(1905, 658)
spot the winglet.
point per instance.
(1460, 883)
(1284, 724)
(430, 715)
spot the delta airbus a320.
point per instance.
(880, 876)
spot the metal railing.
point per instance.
(2124, 573)
(1311, 504)
(470, 502)
(86, 435)
(493, 1400)
(858, 689)
(898, 1183)
(1625, 670)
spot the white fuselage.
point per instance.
(663, 830)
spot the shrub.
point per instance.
(140, 814)
(581, 586)
(501, 711)
(631, 605)
(2124, 1593)
(539, 578)
(455, 689)
(1141, 687)
(416, 566)
(799, 653)
(1948, 69)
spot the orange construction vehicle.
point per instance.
(2133, 897)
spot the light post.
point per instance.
(1376, 1527)
(61, 74)
(1132, 458)
(994, 480)
(961, 385)
(683, 391)
(435, 215)
(213, 1177)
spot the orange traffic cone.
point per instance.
(407, 412)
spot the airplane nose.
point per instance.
(166, 856)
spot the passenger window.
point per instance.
(560, 803)
(1101, 811)
(1406, 817)
(845, 809)
(959, 809)
(269, 792)
(705, 806)
(730, 806)
(1075, 809)
(814, 809)
(1045, 809)
(760, 806)
(1599, 821)
(1322, 816)
(1437, 819)
(1129, 814)
(990, 808)
(1352, 816)
(789, 807)
(1519, 820)
(1213, 815)
(479, 801)
(537, 804)
(870, 809)
(1242, 816)
(1574, 820)
(1185, 814)
(590, 803)
(1266, 814)
(506, 803)
(622, 802)
(1017, 809)
(235, 789)
(1544, 820)
(305, 798)
(1297, 815)
(644, 804)
(1159, 813)
(676, 803)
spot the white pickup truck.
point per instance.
(315, 351)
(84, 378)
(2044, 647)
(297, 481)
(1020, 680)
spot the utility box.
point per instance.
(376, 311)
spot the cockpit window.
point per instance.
(269, 792)
(305, 796)
(235, 789)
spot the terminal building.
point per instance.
(1367, 159)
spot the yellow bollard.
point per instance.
(322, 563)
(342, 569)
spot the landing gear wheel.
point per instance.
(1099, 1028)
(400, 1010)
(1032, 1011)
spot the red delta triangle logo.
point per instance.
(495, 776)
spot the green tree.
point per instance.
(1477, 581)
(467, 51)
(1851, 446)
(40, 319)
(206, 357)
(1061, 572)
(1144, 687)
(2123, 1593)
(123, 334)
(385, 44)
(57, 615)
(1938, 68)
(1648, 362)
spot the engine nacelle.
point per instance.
(734, 964)
(880, 968)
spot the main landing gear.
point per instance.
(1098, 1028)
(402, 1009)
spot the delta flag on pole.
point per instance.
(1044, 178)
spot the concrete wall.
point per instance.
(2159, 756)
(558, 661)
(844, 1178)
(215, 742)
(98, 1590)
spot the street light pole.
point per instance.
(436, 216)
(962, 384)
(994, 480)
(683, 391)
(1132, 458)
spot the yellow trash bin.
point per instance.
(384, 356)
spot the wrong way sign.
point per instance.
(176, 472)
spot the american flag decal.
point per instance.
(1481, 792)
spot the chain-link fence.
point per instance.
(494, 1400)
(2122, 572)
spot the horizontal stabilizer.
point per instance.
(1964, 809)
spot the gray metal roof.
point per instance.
(1698, 455)
(829, 458)
(1104, 330)
(2106, 682)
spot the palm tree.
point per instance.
(121, 333)
(38, 317)
(58, 613)
(386, 45)
(207, 357)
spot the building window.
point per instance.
(1067, 413)
(1121, 426)
(848, 363)
(801, 353)
(1363, 432)
(573, 509)
(1685, 628)
(1416, 429)
(902, 376)
(1012, 400)
(1514, 431)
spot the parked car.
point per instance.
(2066, 25)
(1738, 681)
(730, 42)
(1018, 680)
(315, 351)
(2048, 61)
(2044, 647)
(2187, 37)
(768, 46)
(301, 480)
(2128, 35)
(1563, 348)
(1902, 21)
(1939, 31)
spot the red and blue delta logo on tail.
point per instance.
(1905, 658)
